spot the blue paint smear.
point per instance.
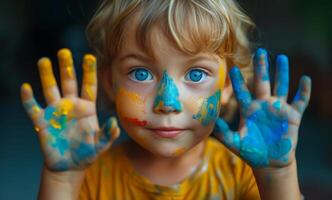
(49, 112)
(167, 95)
(83, 152)
(230, 138)
(262, 64)
(61, 144)
(283, 77)
(243, 95)
(59, 140)
(61, 165)
(264, 137)
(277, 105)
(212, 107)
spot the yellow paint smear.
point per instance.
(89, 68)
(46, 72)
(179, 151)
(37, 129)
(66, 62)
(90, 93)
(65, 107)
(123, 93)
(222, 76)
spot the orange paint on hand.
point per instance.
(136, 121)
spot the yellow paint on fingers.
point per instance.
(89, 68)
(66, 62)
(46, 73)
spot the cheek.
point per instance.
(205, 110)
(130, 107)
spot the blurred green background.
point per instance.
(32, 29)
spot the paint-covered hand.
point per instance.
(268, 131)
(68, 128)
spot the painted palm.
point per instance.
(268, 131)
(68, 128)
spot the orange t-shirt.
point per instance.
(220, 175)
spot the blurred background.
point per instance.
(302, 29)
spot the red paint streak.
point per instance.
(136, 121)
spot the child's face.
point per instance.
(167, 105)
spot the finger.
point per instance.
(261, 75)
(50, 88)
(302, 96)
(67, 72)
(225, 135)
(89, 86)
(241, 91)
(31, 106)
(109, 132)
(282, 78)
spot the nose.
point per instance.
(167, 97)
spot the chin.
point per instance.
(166, 149)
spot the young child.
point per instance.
(164, 65)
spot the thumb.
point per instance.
(226, 135)
(109, 132)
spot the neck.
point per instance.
(164, 170)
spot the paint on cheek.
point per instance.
(222, 77)
(123, 93)
(124, 98)
(167, 95)
(209, 109)
(136, 121)
(58, 119)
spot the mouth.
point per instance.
(167, 132)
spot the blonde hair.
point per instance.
(218, 26)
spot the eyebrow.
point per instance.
(147, 59)
(135, 56)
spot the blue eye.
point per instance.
(140, 74)
(195, 75)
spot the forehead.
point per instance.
(157, 43)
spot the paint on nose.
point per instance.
(167, 98)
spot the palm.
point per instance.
(68, 127)
(268, 131)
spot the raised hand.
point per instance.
(67, 128)
(268, 131)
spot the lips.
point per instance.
(167, 132)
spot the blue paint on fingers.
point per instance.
(241, 92)
(262, 64)
(282, 81)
